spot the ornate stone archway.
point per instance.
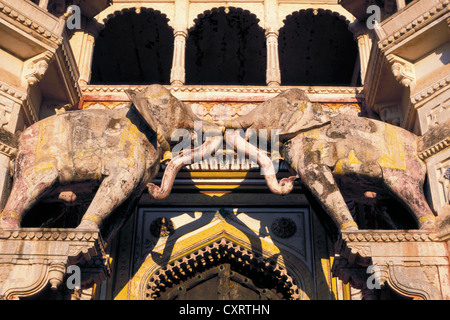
(222, 270)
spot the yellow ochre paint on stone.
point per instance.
(350, 160)
(394, 158)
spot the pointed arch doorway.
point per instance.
(222, 270)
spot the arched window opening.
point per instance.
(317, 49)
(134, 49)
(226, 47)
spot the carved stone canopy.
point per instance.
(33, 257)
(411, 262)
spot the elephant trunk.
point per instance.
(283, 187)
(175, 165)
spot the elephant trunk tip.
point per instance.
(287, 185)
(156, 192)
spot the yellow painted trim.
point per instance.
(347, 225)
(215, 194)
(427, 218)
(216, 187)
(346, 290)
(204, 174)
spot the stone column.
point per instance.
(180, 27)
(360, 34)
(273, 75)
(178, 73)
(364, 46)
(87, 51)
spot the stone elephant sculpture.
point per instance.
(343, 155)
(117, 151)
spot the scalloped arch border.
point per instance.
(320, 11)
(194, 17)
(119, 9)
(295, 268)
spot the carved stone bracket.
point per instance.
(35, 68)
(414, 263)
(403, 70)
(33, 257)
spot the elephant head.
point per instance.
(291, 112)
(287, 114)
(164, 114)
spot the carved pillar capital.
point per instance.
(403, 70)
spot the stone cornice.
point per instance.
(231, 89)
(30, 23)
(388, 236)
(309, 90)
(49, 234)
(434, 149)
(415, 25)
(12, 92)
(430, 90)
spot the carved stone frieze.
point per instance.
(410, 262)
(33, 257)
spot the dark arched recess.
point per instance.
(316, 48)
(226, 47)
(134, 49)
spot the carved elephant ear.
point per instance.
(308, 116)
(141, 104)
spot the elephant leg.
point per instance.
(113, 191)
(26, 193)
(319, 180)
(409, 191)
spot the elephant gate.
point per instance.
(221, 233)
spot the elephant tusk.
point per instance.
(178, 162)
(283, 187)
(167, 155)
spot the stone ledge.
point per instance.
(411, 262)
(388, 236)
(31, 258)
